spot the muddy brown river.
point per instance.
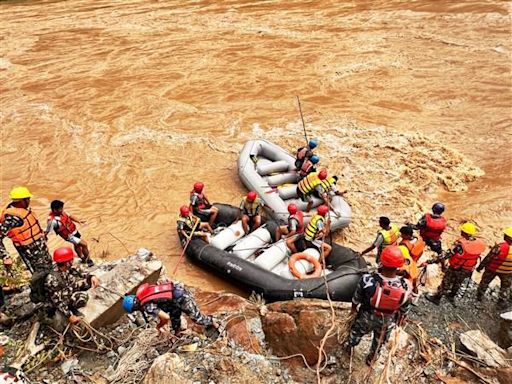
(117, 107)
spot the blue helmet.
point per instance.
(315, 159)
(129, 303)
(438, 208)
(312, 144)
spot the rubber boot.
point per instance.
(436, 299)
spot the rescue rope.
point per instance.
(302, 118)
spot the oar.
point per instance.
(186, 245)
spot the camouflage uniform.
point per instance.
(368, 320)
(453, 278)
(182, 301)
(35, 255)
(65, 290)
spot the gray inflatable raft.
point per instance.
(269, 170)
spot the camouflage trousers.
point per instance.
(366, 322)
(184, 302)
(505, 280)
(452, 280)
(36, 256)
(434, 245)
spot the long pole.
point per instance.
(185, 247)
(303, 123)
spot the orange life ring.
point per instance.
(304, 256)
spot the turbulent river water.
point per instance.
(117, 107)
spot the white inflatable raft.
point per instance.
(269, 170)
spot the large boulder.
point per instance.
(241, 318)
(118, 277)
(484, 348)
(297, 327)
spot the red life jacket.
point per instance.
(502, 262)
(299, 216)
(306, 168)
(301, 153)
(154, 292)
(389, 296)
(434, 227)
(200, 199)
(66, 226)
(472, 249)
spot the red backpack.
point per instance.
(389, 295)
(154, 292)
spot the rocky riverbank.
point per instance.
(297, 341)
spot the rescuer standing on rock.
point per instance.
(66, 285)
(381, 301)
(166, 302)
(64, 226)
(19, 223)
(498, 263)
(463, 258)
(388, 235)
(431, 227)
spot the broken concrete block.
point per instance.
(117, 279)
(484, 348)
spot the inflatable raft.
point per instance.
(269, 170)
(259, 263)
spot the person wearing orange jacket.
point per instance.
(431, 227)
(498, 263)
(412, 249)
(462, 258)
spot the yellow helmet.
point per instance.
(468, 228)
(18, 193)
(508, 231)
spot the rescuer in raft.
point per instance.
(166, 302)
(64, 226)
(66, 286)
(462, 259)
(387, 235)
(304, 153)
(294, 228)
(200, 205)
(308, 166)
(381, 301)
(498, 263)
(250, 211)
(187, 223)
(431, 227)
(316, 230)
(310, 185)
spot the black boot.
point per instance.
(436, 299)
(451, 299)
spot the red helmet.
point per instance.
(292, 209)
(392, 256)
(184, 211)
(198, 187)
(322, 175)
(322, 210)
(63, 255)
(251, 196)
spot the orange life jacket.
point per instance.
(434, 227)
(154, 292)
(410, 267)
(66, 226)
(388, 298)
(502, 262)
(472, 249)
(29, 232)
(299, 216)
(415, 248)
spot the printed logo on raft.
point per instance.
(234, 266)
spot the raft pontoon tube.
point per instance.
(270, 171)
